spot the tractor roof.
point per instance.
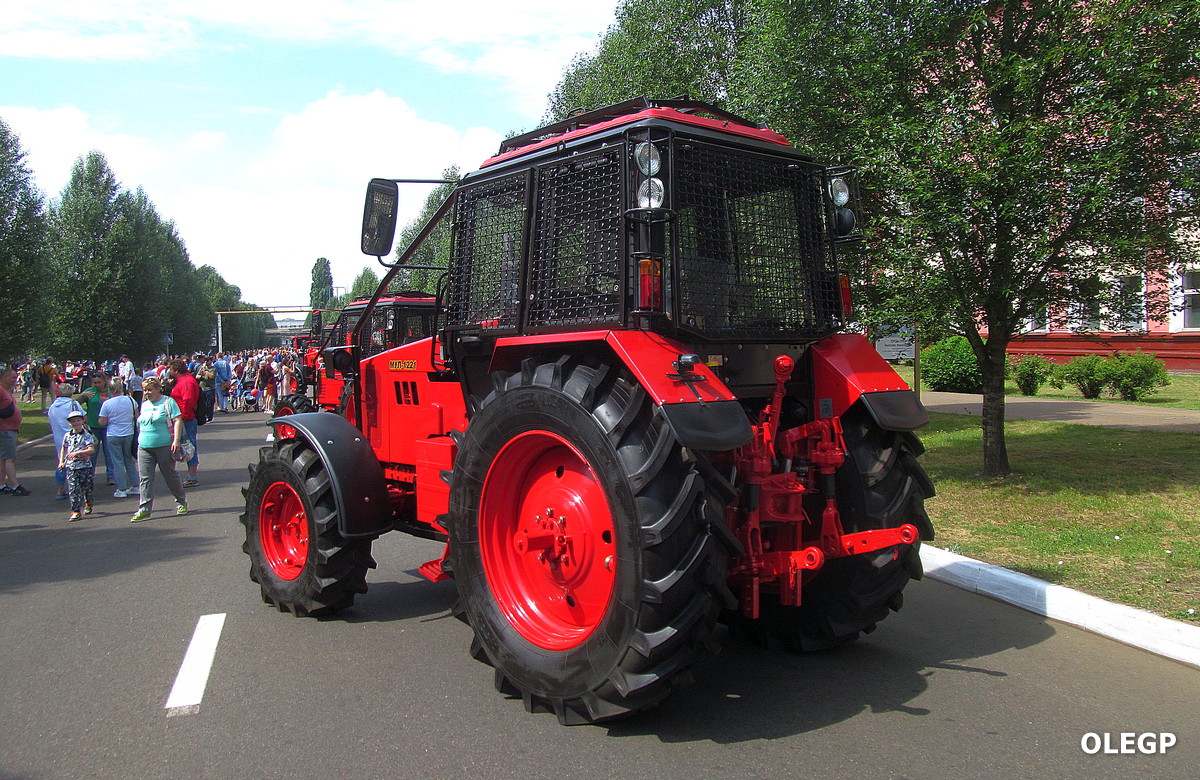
(408, 297)
(594, 122)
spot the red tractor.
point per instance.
(394, 320)
(636, 416)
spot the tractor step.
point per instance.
(432, 571)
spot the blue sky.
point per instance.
(255, 125)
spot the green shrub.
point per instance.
(1135, 376)
(1030, 372)
(1086, 372)
(950, 366)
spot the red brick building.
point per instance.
(1175, 339)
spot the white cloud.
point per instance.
(274, 215)
(523, 51)
(206, 141)
(262, 210)
(92, 29)
(302, 199)
(54, 139)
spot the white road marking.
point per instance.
(189, 686)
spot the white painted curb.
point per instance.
(1170, 638)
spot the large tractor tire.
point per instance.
(298, 558)
(581, 542)
(295, 403)
(880, 485)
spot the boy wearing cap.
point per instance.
(75, 457)
(92, 399)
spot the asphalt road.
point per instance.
(96, 617)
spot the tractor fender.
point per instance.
(358, 486)
(847, 369)
(703, 413)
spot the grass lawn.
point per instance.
(1182, 393)
(1110, 512)
(33, 422)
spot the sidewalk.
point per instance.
(1110, 415)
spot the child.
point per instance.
(235, 393)
(75, 457)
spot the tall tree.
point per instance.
(1019, 154)
(657, 48)
(82, 222)
(191, 318)
(365, 285)
(321, 291)
(22, 250)
(140, 320)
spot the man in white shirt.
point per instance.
(125, 369)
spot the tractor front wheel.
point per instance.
(580, 542)
(295, 403)
(301, 562)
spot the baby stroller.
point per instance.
(250, 400)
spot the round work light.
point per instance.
(647, 158)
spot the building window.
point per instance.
(1131, 303)
(1191, 299)
(1085, 314)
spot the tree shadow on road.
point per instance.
(32, 555)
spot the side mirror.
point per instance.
(379, 217)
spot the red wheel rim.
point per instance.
(285, 431)
(283, 530)
(547, 540)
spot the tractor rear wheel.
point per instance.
(880, 485)
(580, 542)
(298, 558)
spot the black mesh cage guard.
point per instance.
(748, 253)
(575, 278)
(489, 245)
(749, 237)
(344, 327)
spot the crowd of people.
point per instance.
(141, 421)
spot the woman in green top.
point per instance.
(160, 431)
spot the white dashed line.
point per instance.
(189, 686)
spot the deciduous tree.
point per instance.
(1019, 155)
(365, 285)
(22, 251)
(657, 48)
(80, 320)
